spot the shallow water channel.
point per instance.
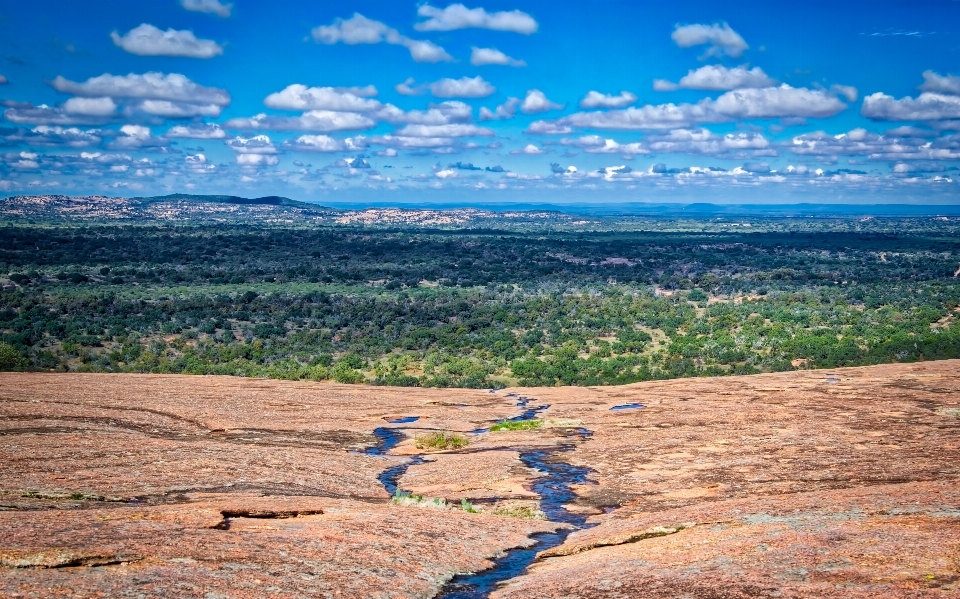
(553, 488)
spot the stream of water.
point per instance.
(553, 487)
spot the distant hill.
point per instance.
(224, 199)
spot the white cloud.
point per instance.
(893, 145)
(703, 141)
(3, 80)
(927, 106)
(594, 144)
(22, 113)
(136, 137)
(198, 164)
(257, 160)
(358, 29)
(315, 143)
(484, 56)
(549, 128)
(387, 153)
(504, 111)
(300, 97)
(147, 40)
(208, 6)
(458, 16)
(720, 37)
(465, 87)
(258, 144)
(450, 111)
(90, 106)
(529, 149)
(718, 77)
(536, 101)
(775, 102)
(313, 120)
(447, 174)
(414, 143)
(847, 91)
(151, 86)
(406, 88)
(176, 110)
(944, 84)
(452, 130)
(595, 99)
(57, 136)
(196, 131)
(769, 102)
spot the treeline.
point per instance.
(474, 309)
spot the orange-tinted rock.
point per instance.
(786, 485)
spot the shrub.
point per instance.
(342, 373)
(10, 358)
(441, 440)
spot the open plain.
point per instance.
(842, 483)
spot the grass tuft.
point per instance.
(441, 440)
(516, 425)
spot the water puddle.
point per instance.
(404, 420)
(628, 406)
(833, 379)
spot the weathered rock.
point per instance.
(787, 485)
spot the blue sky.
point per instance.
(485, 102)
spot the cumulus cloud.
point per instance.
(703, 141)
(768, 102)
(300, 97)
(943, 84)
(150, 86)
(928, 106)
(529, 149)
(890, 146)
(847, 91)
(24, 112)
(258, 144)
(720, 38)
(197, 164)
(775, 102)
(450, 111)
(458, 16)
(358, 29)
(465, 87)
(136, 137)
(444, 145)
(147, 40)
(594, 144)
(536, 101)
(504, 111)
(549, 128)
(56, 136)
(716, 78)
(257, 160)
(196, 131)
(484, 56)
(325, 143)
(90, 106)
(312, 120)
(451, 130)
(208, 6)
(595, 99)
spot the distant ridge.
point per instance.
(225, 199)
